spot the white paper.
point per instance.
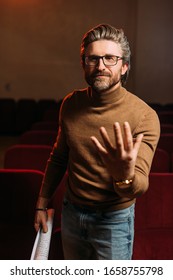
(41, 246)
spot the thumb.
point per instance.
(44, 226)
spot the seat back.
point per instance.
(57, 201)
(45, 125)
(7, 115)
(172, 162)
(19, 193)
(27, 157)
(166, 117)
(166, 128)
(154, 209)
(26, 111)
(161, 161)
(166, 142)
(37, 137)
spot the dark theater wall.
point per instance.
(40, 44)
(154, 46)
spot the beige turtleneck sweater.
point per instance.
(82, 114)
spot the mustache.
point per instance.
(100, 73)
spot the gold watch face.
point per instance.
(125, 182)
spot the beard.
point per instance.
(101, 81)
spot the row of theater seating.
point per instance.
(154, 220)
(34, 147)
(19, 191)
(20, 181)
(154, 213)
(17, 116)
(35, 156)
(154, 209)
(158, 107)
(53, 125)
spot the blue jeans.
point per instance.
(97, 235)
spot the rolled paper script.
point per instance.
(41, 246)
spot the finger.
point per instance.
(128, 139)
(98, 146)
(106, 139)
(41, 221)
(138, 141)
(37, 226)
(118, 138)
(44, 227)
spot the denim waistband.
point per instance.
(94, 208)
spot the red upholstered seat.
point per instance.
(19, 192)
(57, 200)
(38, 137)
(172, 162)
(161, 161)
(166, 128)
(166, 117)
(27, 157)
(26, 114)
(51, 115)
(153, 244)
(166, 142)
(45, 125)
(44, 105)
(56, 251)
(154, 219)
(7, 115)
(154, 209)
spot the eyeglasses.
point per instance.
(108, 60)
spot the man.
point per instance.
(106, 141)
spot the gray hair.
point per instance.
(108, 32)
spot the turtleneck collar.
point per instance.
(105, 98)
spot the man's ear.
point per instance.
(124, 69)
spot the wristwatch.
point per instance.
(123, 182)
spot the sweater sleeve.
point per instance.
(149, 125)
(56, 164)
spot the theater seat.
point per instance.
(27, 157)
(26, 110)
(57, 200)
(44, 105)
(37, 137)
(171, 162)
(154, 219)
(153, 244)
(166, 117)
(166, 128)
(7, 116)
(19, 193)
(56, 251)
(161, 161)
(166, 142)
(45, 125)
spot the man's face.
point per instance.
(101, 77)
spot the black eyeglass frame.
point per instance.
(103, 59)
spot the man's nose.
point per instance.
(100, 64)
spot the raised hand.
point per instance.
(119, 157)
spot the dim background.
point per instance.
(40, 45)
